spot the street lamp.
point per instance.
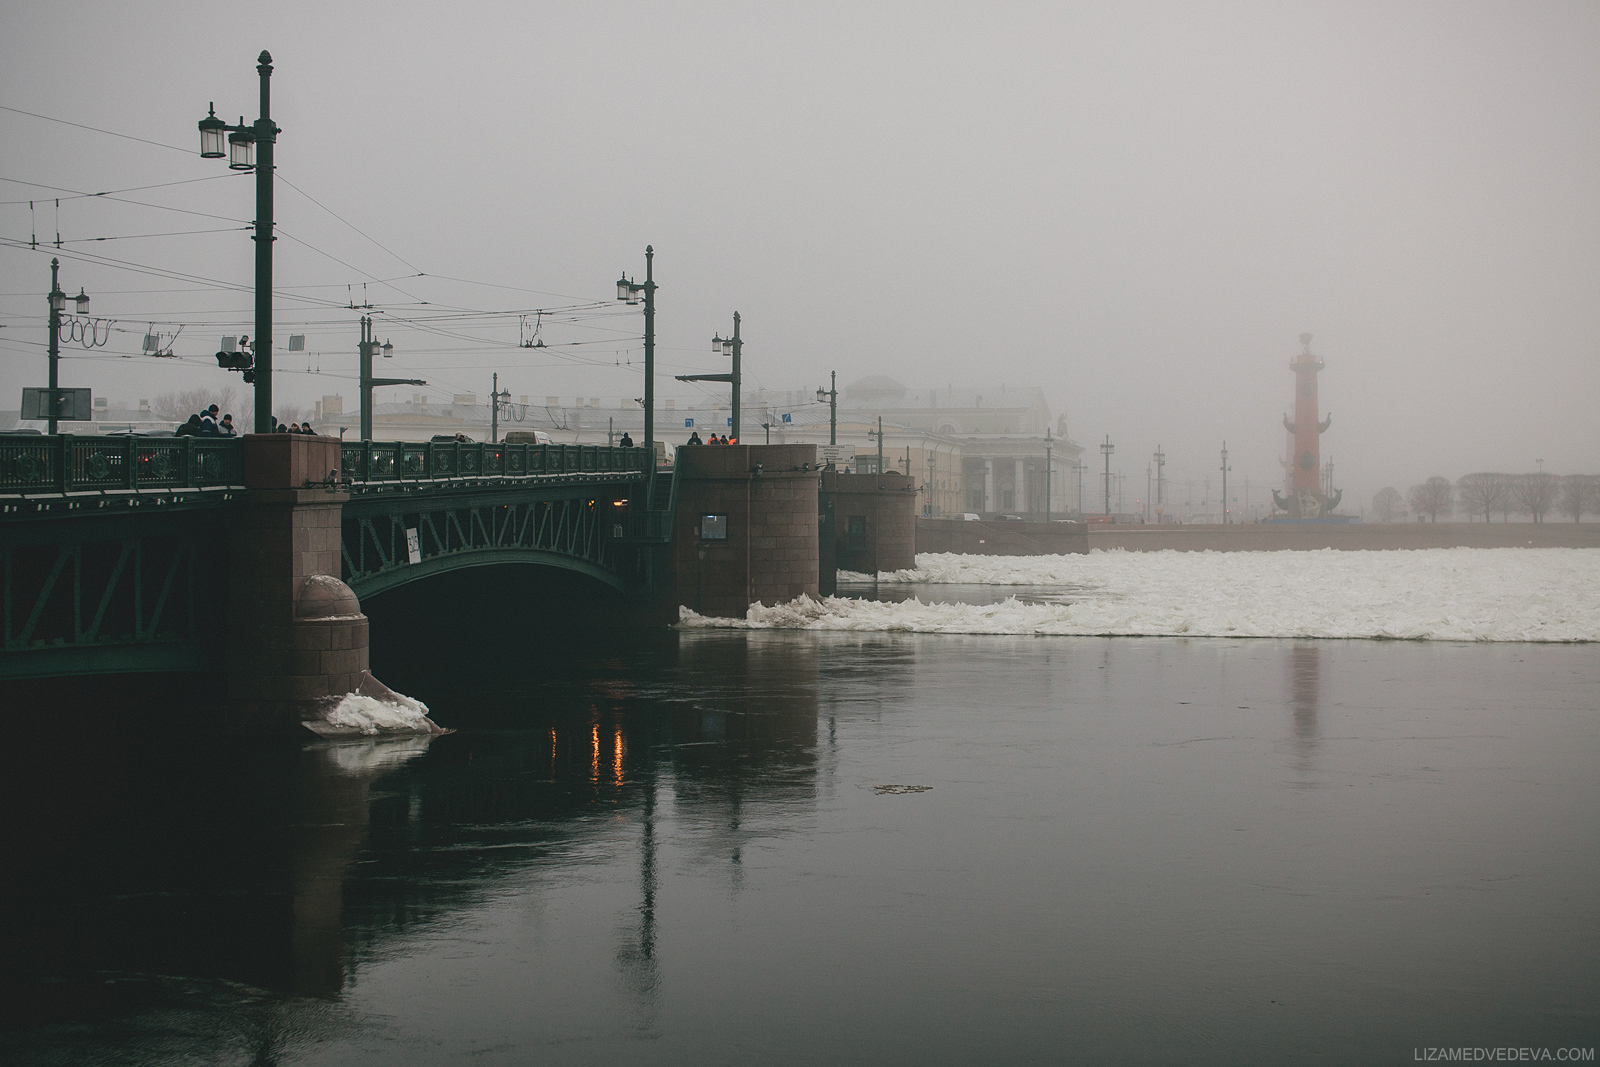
(242, 141)
(725, 346)
(628, 292)
(58, 304)
(369, 347)
(830, 397)
(1225, 470)
(1047, 444)
(1160, 459)
(1106, 448)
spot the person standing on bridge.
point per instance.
(694, 438)
(227, 428)
(627, 440)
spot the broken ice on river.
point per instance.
(1453, 594)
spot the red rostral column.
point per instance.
(1307, 500)
(1307, 451)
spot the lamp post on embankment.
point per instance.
(261, 136)
(1106, 449)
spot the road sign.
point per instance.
(786, 417)
(71, 405)
(836, 453)
(688, 424)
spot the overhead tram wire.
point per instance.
(71, 195)
(94, 129)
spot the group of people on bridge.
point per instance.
(694, 439)
(207, 424)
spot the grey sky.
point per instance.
(1137, 206)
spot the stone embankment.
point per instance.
(1037, 538)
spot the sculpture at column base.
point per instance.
(1308, 503)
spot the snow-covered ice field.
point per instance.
(1455, 594)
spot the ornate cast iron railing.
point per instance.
(374, 462)
(33, 464)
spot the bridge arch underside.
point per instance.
(388, 543)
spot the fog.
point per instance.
(1137, 207)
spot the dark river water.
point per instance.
(802, 848)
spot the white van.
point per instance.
(528, 437)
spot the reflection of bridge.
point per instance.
(135, 554)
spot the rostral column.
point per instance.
(1306, 500)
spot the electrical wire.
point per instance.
(93, 129)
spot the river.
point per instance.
(786, 847)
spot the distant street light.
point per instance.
(241, 140)
(830, 397)
(1225, 470)
(1160, 459)
(1106, 448)
(628, 292)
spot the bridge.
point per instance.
(249, 557)
(137, 554)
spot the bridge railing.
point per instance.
(410, 461)
(34, 464)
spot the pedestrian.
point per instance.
(305, 428)
(208, 422)
(189, 429)
(226, 427)
(694, 438)
(627, 440)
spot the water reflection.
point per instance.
(1305, 696)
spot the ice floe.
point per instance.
(1455, 594)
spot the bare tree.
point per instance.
(1580, 493)
(1388, 504)
(176, 407)
(1536, 493)
(1485, 492)
(1431, 498)
(293, 414)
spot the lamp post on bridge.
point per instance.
(628, 292)
(726, 346)
(241, 140)
(369, 346)
(58, 304)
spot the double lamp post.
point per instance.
(249, 147)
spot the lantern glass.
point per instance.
(388, 350)
(241, 151)
(58, 301)
(82, 300)
(822, 395)
(211, 136)
(624, 290)
(716, 344)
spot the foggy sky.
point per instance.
(1137, 207)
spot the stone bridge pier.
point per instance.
(297, 640)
